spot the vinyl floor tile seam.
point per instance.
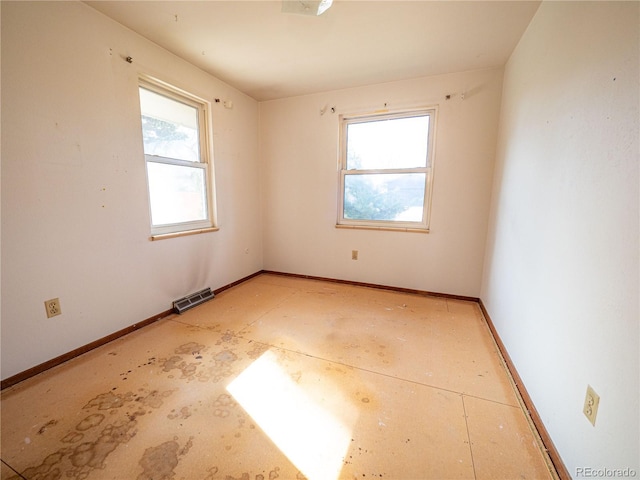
(493, 432)
(13, 470)
(294, 291)
(381, 374)
(466, 423)
(490, 400)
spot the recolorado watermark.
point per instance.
(590, 472)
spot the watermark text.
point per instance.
(590, 472)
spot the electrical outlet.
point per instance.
(354, 254)
(591, 403)
(52, 307)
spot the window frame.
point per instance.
(203, 108)
(348, 119)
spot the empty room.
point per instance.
(326, 240)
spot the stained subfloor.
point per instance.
(286, 378)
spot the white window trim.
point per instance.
(205, 163)
(422, 226)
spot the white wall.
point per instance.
(299, 155)
(75, 220)
(561, 271)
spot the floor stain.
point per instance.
(257, 350)
(228, 337)
(212, 328)
(158, 463)
(90, 422)
(109, 401)
(222, 367)
(335, 369)
(176, 363)
(244, 476)
(241, 420)
(150, 361)
(212, 471)
(78, 462)
(190, 348)
(275, 473)
(154, 399)
(183, 414)
(225, 399)
(93, 454)
(221, 412)
(72, 437)
(50, 423)
(136, 414)
(226, 356)
(47, 470)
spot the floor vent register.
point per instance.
(185, 303)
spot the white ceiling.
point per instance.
(268, 54)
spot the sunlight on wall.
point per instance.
(306, 424)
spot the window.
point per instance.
(386, 170)
(176, 150)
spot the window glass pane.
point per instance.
(390, 197)
(177, 193)
(390, 143)
(169, 127)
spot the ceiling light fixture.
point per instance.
(306, 7)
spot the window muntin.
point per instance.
(174, 130)
(386, 170)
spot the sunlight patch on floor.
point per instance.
(306, 425)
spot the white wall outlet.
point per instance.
(52, 307)
(591, 402)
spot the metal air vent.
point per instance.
(190, 301)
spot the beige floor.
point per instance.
(280, 378)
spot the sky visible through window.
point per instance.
(389, 143)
